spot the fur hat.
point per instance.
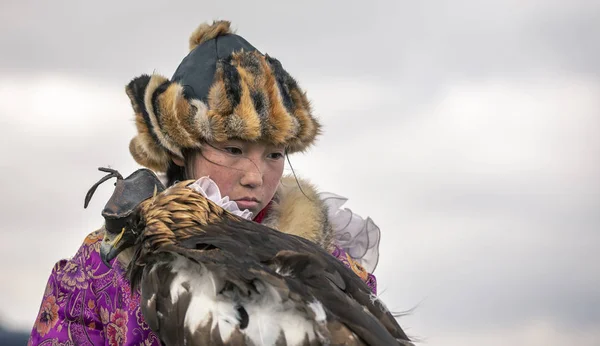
(223, 89)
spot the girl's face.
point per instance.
(247, 172)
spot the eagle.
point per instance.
(209, 277)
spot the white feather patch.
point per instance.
(317, 308)
(281, 272)
(269, 315)
(204, 302)
(151, 301)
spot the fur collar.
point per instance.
(297, 209)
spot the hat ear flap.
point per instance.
(136, 89)
(145, 147)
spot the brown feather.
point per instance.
(246, 257)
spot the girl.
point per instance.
(228, 117)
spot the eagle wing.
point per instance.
(345, 297)
(227, 280)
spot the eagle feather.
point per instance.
(208, 277)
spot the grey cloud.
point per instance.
(481, 270)
(482, 250)
(411, 43)
(489, 249)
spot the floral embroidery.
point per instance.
(140, 319)
(104, 316)
(48, 316)
(133, 304)
(116, 330)
(357, 268)
(73, 276)
(91, 304)
(87, 303)
(151, 340)
(48, 290)
(93, 238)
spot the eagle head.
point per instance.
(115, 243)
(122, 219)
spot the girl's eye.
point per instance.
(276, 156)
(233, 150)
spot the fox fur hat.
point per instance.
(223, 89)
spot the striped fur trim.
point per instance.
(251, 98)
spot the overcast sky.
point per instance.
(467, 129)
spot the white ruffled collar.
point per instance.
(209, 189)
(358, 236)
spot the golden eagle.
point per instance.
(208, 277)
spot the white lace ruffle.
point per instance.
(209, 189)
(357, 236)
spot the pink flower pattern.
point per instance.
(87, 303)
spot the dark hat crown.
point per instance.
(223, 89)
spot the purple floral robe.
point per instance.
(87, 303)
